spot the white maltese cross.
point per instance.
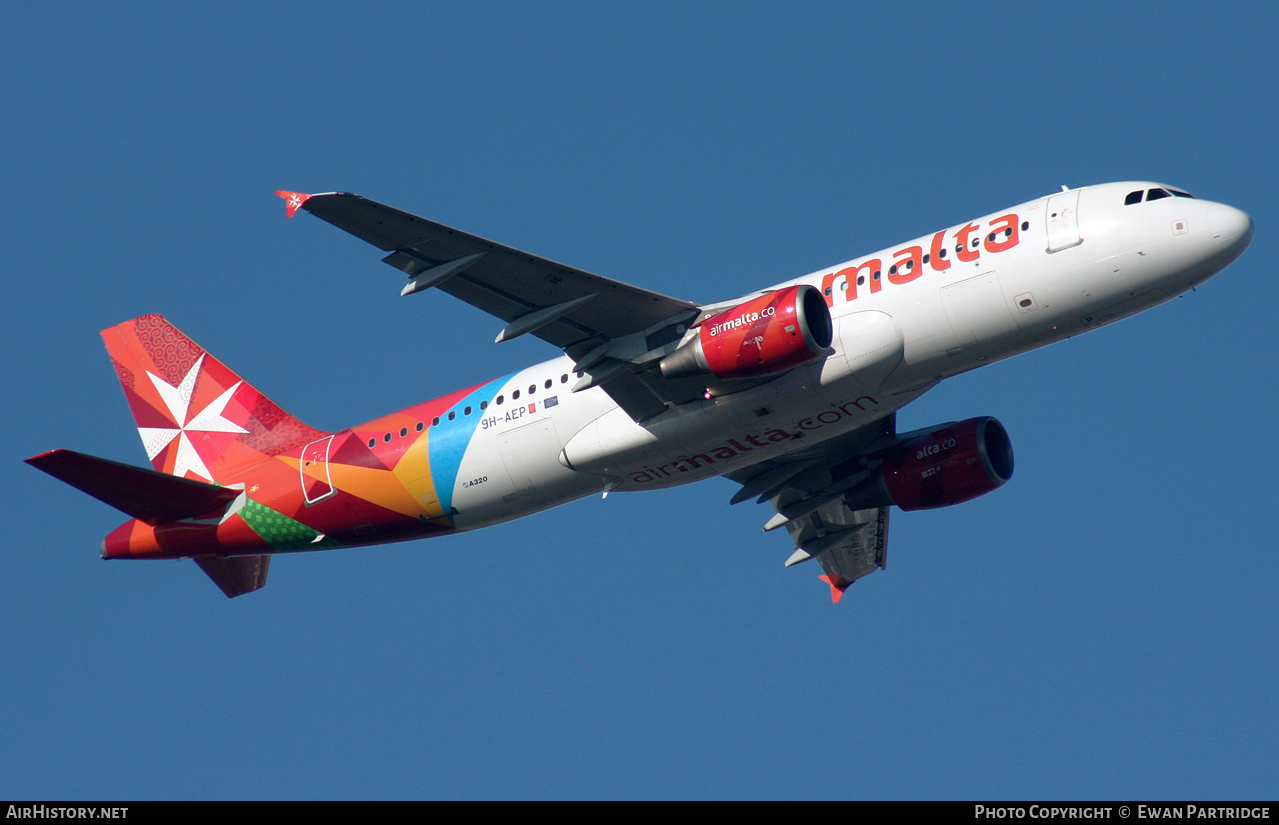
(209, 420)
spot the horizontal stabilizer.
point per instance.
(236, 576)
(144, 494)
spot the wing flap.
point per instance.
(854, 544)
(807, 489)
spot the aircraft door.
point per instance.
(313, 471)
(1063, 221)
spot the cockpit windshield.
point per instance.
(1155, 194)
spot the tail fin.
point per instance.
(196, 417)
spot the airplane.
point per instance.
(790, 391)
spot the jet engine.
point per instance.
(763, 336)
(949, 464)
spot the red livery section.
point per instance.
(950, 465)
(196, 417)
(293, 201)
(235, 476)
(763, 336)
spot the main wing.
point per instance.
(613, 331)
(808, 490)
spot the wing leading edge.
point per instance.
(612, 330)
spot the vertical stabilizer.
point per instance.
(196, 417)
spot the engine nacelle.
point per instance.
(951, 464)
(766, 335)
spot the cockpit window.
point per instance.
(1156, 194)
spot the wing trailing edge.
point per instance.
(808, 491)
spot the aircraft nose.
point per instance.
(1229, 226)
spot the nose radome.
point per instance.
(1230, 226)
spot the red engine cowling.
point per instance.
(952, 464)
(766, 335)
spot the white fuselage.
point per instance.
(905, 318)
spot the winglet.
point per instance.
(292, 201)
(836, 590)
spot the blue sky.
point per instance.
(1105, 626)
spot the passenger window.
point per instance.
(1133, 197)
(547, 384)
(1156, 194)
(452, 414)
(515, 395)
